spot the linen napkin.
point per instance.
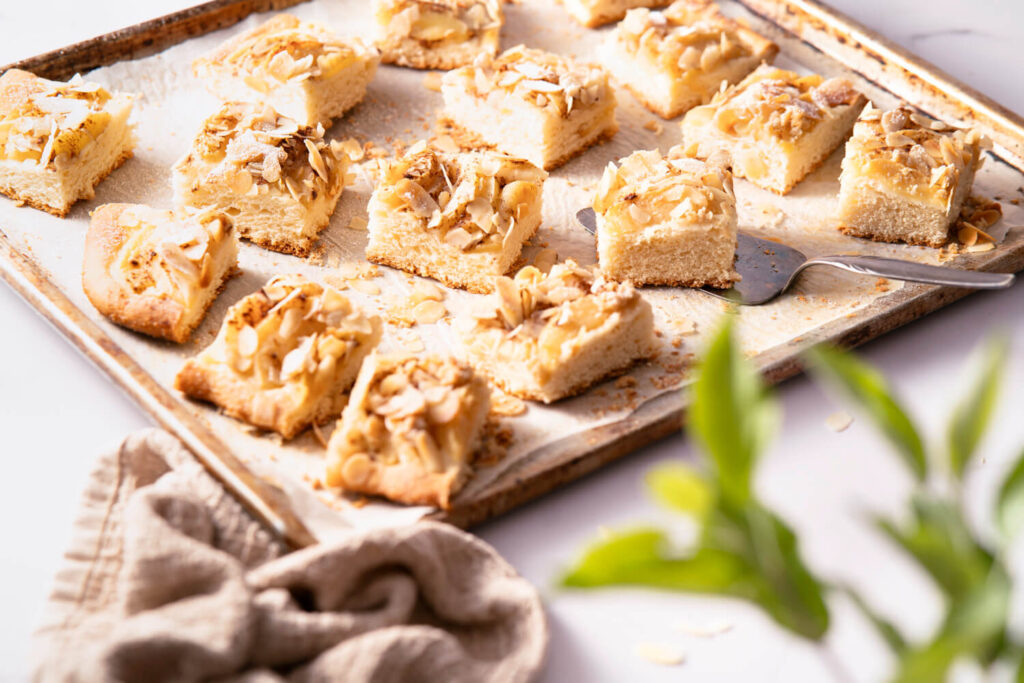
(169, 579)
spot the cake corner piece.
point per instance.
(302, 69)
(776, 125)
(905, 177)
(279, 180)
(676, 59)
(432, 34)
(59, 140)
(410, 429)
(532, 104)
(285, 356)
(461, 219)
(154, 271)
(547, 337)
(667, 221)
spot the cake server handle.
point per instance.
(910, 271)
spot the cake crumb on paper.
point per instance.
(839, 421)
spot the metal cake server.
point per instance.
(769, 268)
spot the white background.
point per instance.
(57, 412)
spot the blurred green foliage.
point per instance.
(742, 549)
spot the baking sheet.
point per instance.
(398, 111)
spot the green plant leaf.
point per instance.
(732, 415)
(1010, 504)
(938, 538)
(791, 595)
(972, 415)
(869, 390)
(682, 488)
(643, 558)
(975, 626)
(893, 638)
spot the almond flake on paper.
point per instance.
(660, 653)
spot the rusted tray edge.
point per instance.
(265, 502)
(146, 38)
(897, 70)
(660, 416)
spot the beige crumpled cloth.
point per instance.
(168, 579)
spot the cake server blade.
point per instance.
(769, 268)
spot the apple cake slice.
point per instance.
(285, 356)
(547, 337)
(675, 60)
(776, 126)
(279, 181)
(532, 104)
(666, 221)
(410, 429)
(437, 34)
(59, 140)
(458, 218)
(905, 177)
(301, 69)
(156, 271)
(594, 13)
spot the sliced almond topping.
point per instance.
(545, 259)
(429, 312)
(369, 288)
(315, 160)
(247, 342)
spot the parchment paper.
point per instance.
(399, 109)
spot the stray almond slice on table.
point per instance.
(429, 311)
(660, 653)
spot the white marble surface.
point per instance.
(817, 479)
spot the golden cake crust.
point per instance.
(158, 314)
(410, 430)
(546, 337)
(76, 132)
(285, 356)
(61, 212)
(905, 177)
(774, 117)
(252, 155)
(481, 20)
(459, 218)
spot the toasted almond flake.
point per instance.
(247, 341)
(319, 436)
(429, 312)
(967, 235)
(660, 653)
(432, 81)
(839, 421)
(506, 405)
(709, 629)
(981, 246)
(425, 289)
(545, 259)
(358, 223)
(365, 287)
(315, 160)
(446, 144)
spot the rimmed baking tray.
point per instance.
(809, 33)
